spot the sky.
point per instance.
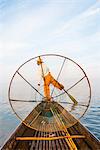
(29, 28)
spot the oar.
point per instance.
(71, 97)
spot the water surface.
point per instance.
(9, 122)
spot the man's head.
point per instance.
(39, 61)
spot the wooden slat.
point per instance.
(89, 143)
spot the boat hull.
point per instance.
(90, 142)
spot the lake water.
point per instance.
(9, 122)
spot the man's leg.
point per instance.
(46, 91)
(56, 83)
(46, 87)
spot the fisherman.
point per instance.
(48, 79)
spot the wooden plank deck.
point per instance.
(50, 129)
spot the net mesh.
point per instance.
(26, 94)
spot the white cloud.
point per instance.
(74, 23)
(33, 32)
(93, 11)
(26, 30)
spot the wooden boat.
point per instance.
(51, 133)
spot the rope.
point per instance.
(70, 142)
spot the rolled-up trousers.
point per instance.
(48, 79)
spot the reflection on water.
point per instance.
(8, 121)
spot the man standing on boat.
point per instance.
(47, 78)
